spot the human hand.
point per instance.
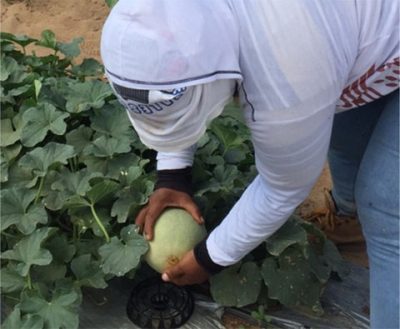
(161, 199)
(187, 272)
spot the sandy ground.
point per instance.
(67, 19)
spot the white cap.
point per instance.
(167, 44)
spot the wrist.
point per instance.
(203, 258)
(176, 179)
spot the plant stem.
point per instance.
(99, 223)
(29, 281)
(41, 183)
(74, 234)
(71, 165)
(12, 298)
(75, 162)
(8, 235)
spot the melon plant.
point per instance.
(175, 233)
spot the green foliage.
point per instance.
(68, 155)
(74, 175)
(260, 315)
(296, 263)
(246, 281)
(111, 3)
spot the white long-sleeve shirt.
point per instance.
(300, 61)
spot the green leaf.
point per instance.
(61, 250)
(74, 182)
(133, 173)
(89, 246)
(122, 207)
(71, 49)
(11, 280)
(60, 312)
(8, 66)
(333, 258)
(121, 256)
(15, 210)
(228, 137)
(236, 155)
(19, 90)
(28, 321)
(55, 200)
(106, 147)
(79, 137)
(112, 167)
(290, 233)
(41, 158)
(234, 111)
(223, 180)
(4, 165)
(20, 177)
(88, 67)
(7, 156)
(77, 201)
(12, 72)
(82, 96)
(112, 120)
(38, 86)
(101, 190)
(226, 176)
(234, 287)
(131, 198)
(111, 3)
(48, 40)
(39, 121)
(53, 91)
(28, 251)
(290, 280)
(8, 135)
(215, 160)
(48, 273)
(22, 40)
(313, 231)
(6, 46)
(88, 272)
(318, 266)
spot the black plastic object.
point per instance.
(156, 304)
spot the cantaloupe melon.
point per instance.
(175, 233)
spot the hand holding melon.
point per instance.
(160, 200)
(175, 234)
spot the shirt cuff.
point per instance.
(175, 179)
(203, 258)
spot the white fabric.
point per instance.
(176, 160)
(179, 122)
(296, 58)
(167, 44)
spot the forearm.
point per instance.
(174, 170)
(176, 160)
(288, 164)
(256, 216)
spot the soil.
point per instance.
(75, 18)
